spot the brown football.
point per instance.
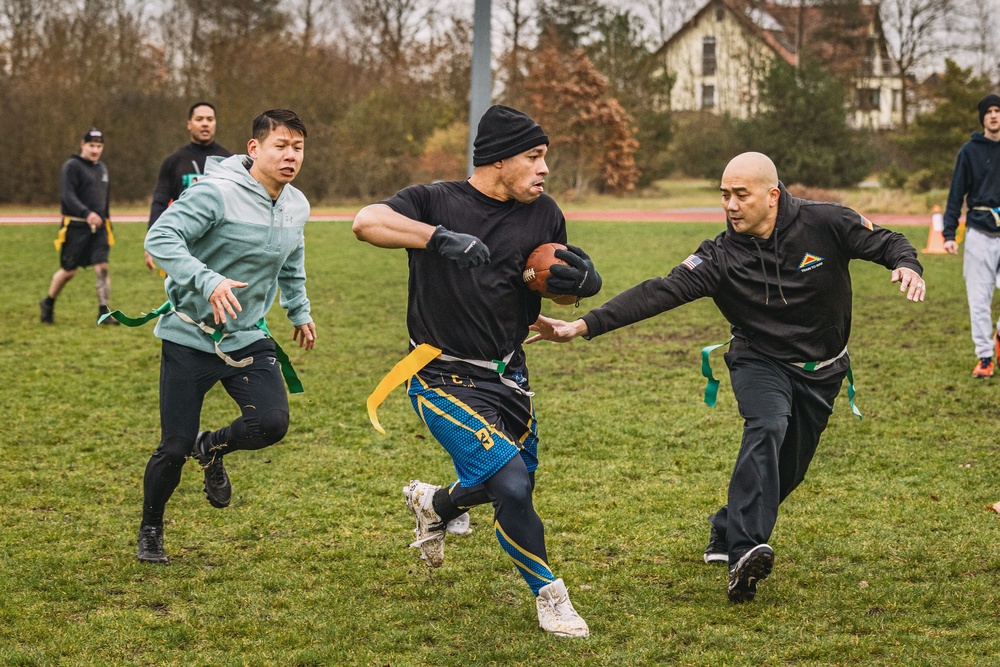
(536, 272)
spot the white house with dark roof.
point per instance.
(718, 57)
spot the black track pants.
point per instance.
(784, 416)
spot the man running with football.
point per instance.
(467, 243)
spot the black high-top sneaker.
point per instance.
(218, 489)
(151, 544)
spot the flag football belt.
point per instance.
(412, 363)
(61, 238)
(712, 384)
(287, 371)
(995, 211)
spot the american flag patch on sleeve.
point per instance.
(691, 262)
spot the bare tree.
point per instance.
(313, 18)
(976, 34)
(516, 20)
(914, 30)
(21, 22)
(666, 16)
(386, 31)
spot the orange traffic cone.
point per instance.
(935, 236)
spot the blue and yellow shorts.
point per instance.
(481, 422)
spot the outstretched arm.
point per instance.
(910, 282)
(557, 331)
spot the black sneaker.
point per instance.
(47, 307)
(750, 570)
(218, 489)
(717, 550)
(151, 544)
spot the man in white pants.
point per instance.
(976, 182)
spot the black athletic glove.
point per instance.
(578, 277)
(464, 249)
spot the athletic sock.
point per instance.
(444, 507)
(49, 301)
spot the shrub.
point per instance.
(703, 144)
(923, 180)
(894, 177)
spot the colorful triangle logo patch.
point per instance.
(808, 260)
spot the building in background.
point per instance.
(720, 55)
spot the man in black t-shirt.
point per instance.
(467, 243)
(184, 167)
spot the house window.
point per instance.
(720, 14)
(868, 62)
(708, 56)
(869, 99)
(708, 97)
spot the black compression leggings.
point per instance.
(517, 524)
(186, 375)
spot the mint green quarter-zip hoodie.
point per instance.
(227, 226)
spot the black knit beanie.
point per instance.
(504, 132)
(990, 100)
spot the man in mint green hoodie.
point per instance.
(228, 244)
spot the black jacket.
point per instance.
(180, 171)
(84, 188)
(976, 181)
(787, 297)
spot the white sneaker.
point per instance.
(430, 527)
(459, 525)
(556, 613)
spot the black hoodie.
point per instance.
(84, 188)
(976, 182)
(787, 297)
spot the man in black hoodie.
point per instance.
(779, 274)
(85, 238)
(183, 168)
(976, 182)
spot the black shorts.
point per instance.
(83, 247)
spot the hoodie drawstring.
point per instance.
(777, 266)
(763, 269)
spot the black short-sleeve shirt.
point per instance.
(481, 313)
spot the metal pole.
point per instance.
(482, 75)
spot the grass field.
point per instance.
(884, 556)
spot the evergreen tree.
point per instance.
(803, 128)
(936, 136)
(640, 83)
